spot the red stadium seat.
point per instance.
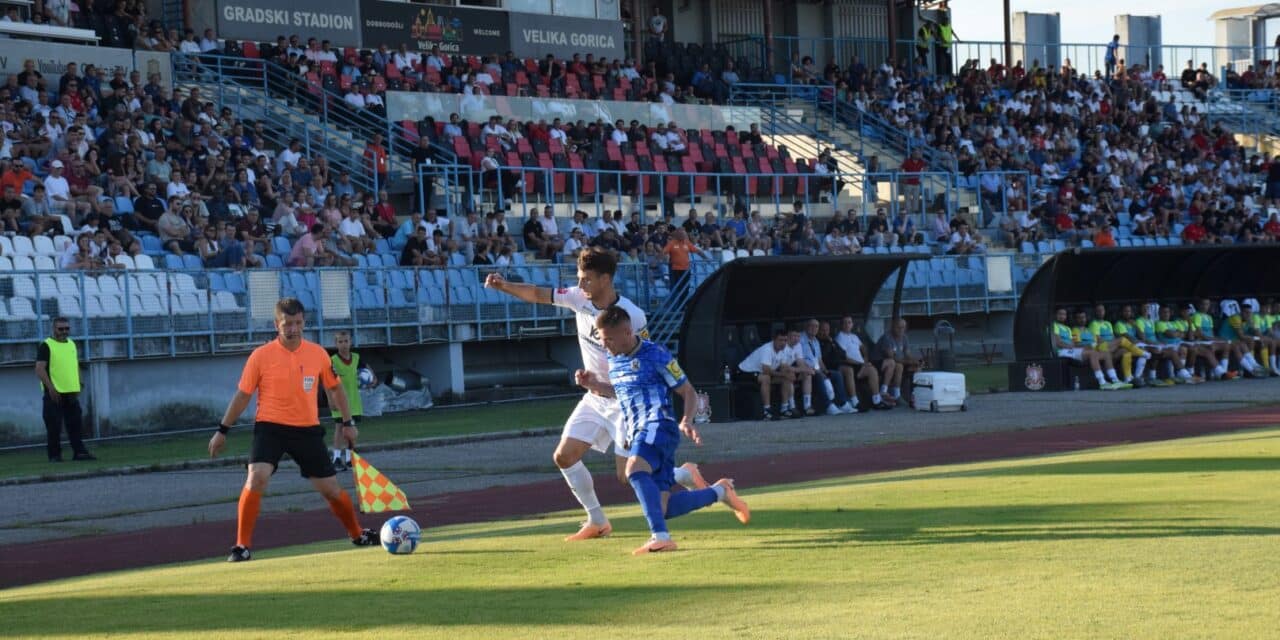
(379, 84)
(393, 73)
(250, 49)
(588, 184)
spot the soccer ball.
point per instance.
(400, 535)
(366, 378)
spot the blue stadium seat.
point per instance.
(382, 246)
(234, 282)
(389, 258)
(1044, 247)
(307, 299)
(274, 262)
(172, 261)
(397, 299)
(151, 246)
(1086, 244)
(192, 262)
(1162, 242)
(361, 261)
(216, 282)
(280, 246)
(461, 295)
(457, 260)
(1058, 245)
(123, 205)
(1175, 241)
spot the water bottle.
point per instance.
(1075, 383)
(727, 374)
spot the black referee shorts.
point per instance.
(305, 445)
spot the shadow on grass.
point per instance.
(344, 610)
(951, 525)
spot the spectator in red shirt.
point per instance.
(911, 183)
(377, 155)
(1272, 227)
(1194, 233)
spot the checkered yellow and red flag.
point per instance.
(377, 493)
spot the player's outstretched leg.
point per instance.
(568, 457)
(344, 510)
(728, 495)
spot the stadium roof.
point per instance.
(1257, 11)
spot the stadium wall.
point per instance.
(132, 397)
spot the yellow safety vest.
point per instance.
(64, 366)
(944, 32)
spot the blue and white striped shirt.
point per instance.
(642, 381)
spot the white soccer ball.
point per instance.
(366, 378)
(400, 535)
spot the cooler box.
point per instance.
(939, 391)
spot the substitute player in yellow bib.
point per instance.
(1106, 338)
(346, 363)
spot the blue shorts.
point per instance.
(661, 456)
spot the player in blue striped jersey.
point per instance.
(642, 375)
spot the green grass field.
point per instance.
(533, 414)
(1177, 539)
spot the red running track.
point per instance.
(29, 563)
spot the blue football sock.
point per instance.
(685, 501)
(650, 500)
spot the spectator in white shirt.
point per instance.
(769, 364)
(59, 193)
(435, 60)
(550, 230)
(574, 244)
(556, 132)
(494, 128)
(289, 157)
(803, 371)
(209, 42)
(629, 71)
(406, 60)
(659, 137)
(675, 143)
(189, 44)
(352, 230)
(453, 128)
(856, 366)
(619, 134)
(354, 98)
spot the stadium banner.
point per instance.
(51, 59)
(420, 27)
(337, 21)
(406, 105)
(535, 35)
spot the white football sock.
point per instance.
(895, 392)
(1184, 374)
(1101, 380)
(831, 391)
(808, 401)
(876, 399)
(719, 489)
(884, 389)
(1111, 375)
(684, 478)
(1140, 367)
(584, 489)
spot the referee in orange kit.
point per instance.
(286, 373)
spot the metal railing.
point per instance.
(164, 313)
(1084, 57)
(312, 100)
(170, 313)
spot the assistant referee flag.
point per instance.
(377, 493)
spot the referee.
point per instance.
(286, 373)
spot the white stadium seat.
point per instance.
(44, 246)
(69, 306)
(23, 263)
(22, 246)
(60, 243)
(143, 261)
(45, 263)
(6, 246)
(108, 285)
(21, 309)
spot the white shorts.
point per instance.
(1075, 353)
(597, 421)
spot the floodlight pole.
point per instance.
(1008, 38)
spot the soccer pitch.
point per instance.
(1160, 540)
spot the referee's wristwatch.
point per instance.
(223, 429)
(348, 423)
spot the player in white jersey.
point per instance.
(597, 420)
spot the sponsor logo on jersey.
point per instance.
(1035, 378)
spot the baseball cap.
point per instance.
(56, 164)
(1191, 308)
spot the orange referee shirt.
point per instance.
(287, 382)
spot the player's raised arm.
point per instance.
(522, 290)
